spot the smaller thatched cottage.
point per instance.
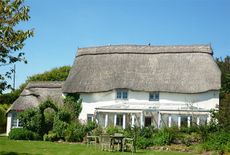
(34, 94)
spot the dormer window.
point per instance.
(154, 96)
(122, 94)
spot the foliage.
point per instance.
(56, 74)
(23, 134)
(75, 132)
(90, 126)
(59, 128)
(3, 109)
(63, 115)
(113, 129)
(97, 131)
(224, 66)
(163, 137)
(12, 13)
(51, 136)
(143, 142)
(31, 120)
(49, 103)
(72, 104)
(218, 141)
(34, 119)
(223, 114)
(147, 132)
(9, 98)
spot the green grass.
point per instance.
(13, 147)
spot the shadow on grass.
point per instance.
(14, 153)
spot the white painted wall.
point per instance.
(207, 100)
(8, 126)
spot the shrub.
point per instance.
(143, 142)
(113, 129)
(164, 136)
(73, 104)
(147, 132)
(63, 115)
(97, 131)
(23, 134)
(75, 132)
(31, 120)
(50, 137)
(59, 128)
(217, 141)
(90, 126)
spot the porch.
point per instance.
(123, 115)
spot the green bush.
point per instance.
(59, 128)
(147, 132)
(113, 129)
(217, 141)
(23, 134)
(75, 132)
(63, 115)
(90, 126)
(97, 131)
(50, 137)
(143, 142)
(164, 136)
(31, 120)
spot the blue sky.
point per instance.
(63, 26)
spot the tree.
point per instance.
(72, 104)
(223, 114)
(12, 40)
(224, 117)
(224, 66)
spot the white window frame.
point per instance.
(122, 94)
(14, 118)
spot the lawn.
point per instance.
(12, 147)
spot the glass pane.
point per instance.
(119, 120)
(119, 94)
(184, 121)
(157, 96)
(174, 120)
(164, 120)
(14, 120)
(125, 94)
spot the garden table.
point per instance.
(117, 139)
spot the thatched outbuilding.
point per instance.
(34, 94)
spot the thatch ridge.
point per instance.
(144, 49)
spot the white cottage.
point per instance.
(145, 85)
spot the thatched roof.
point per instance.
(182, 69)
(36, 92)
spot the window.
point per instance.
(148, 121)
(122, 94)
(16, 123)
(184, 121)
(154, 96)
(119, 120)
(89, 117)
